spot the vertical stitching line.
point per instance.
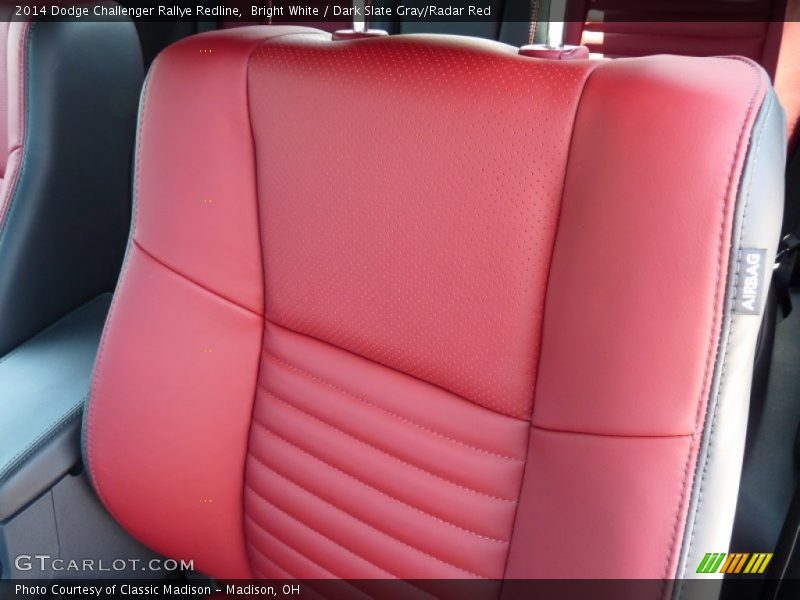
(714, 325)
(25, 46)
(253, 52)
(263, 292)
(544, 309)
(5, 208)
(118, 292)
(735, 282)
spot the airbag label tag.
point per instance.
(750, 284)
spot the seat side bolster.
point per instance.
(756, 227)
(179, 355)
(634, 311)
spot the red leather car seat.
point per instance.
(490, 321)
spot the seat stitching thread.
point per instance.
(734, 287)
(122, 282)
(405, 420)
(9, 196)
(255, 549)
(393, 457)
(367, 485)
(307, 526)
(710, 355)
(402, 543)
(304, 556)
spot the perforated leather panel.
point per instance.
(433, 265)
(419, 238)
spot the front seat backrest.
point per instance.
(487, 322)
(71, 89)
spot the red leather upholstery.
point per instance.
(210, 274)
(13, 37)
(636, 209)
(347, 452)
(377, 411)
(632, 419)
(4, 89)
(372, 302)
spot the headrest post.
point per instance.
(359, 25)
(555, 35)
(555, 25)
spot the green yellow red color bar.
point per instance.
(735, 562)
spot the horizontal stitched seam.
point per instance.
(185, 277)
(405, 420)
(351, 352)
(300, 554)
(257, 524)
(45, 435)
(381, 492)
(351, 584)
(375, 529)
(383, 452)
(263, 556)
(259, 574)
(291, 548)
(615, 435)
(260, 555)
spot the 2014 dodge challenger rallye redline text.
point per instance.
(80, 11)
